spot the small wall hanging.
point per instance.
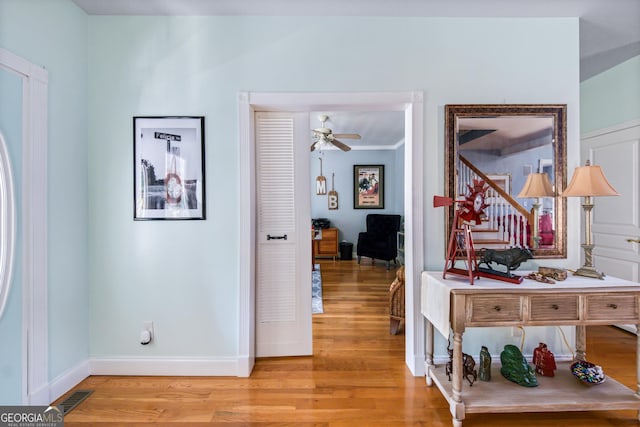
(321, 182)
(332, 198)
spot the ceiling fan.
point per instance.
(324, 136)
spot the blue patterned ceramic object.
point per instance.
(587, 372)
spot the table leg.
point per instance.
(429, 353)
(457, 406)
(581, 342)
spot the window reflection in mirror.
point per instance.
(503, 145)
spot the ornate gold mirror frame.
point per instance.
(503, 144)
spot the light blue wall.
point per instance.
(11, 320)
(184, 275)
(611, 97)
(54, 33)
(348, 220)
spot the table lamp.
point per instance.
(537, 186)
(588, 181)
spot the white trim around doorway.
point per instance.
(412, 103)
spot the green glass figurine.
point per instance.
(515, 367)
(484, 371)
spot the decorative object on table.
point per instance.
(515, 367)
(470, 210)
(469, 371)
(588, 181)
(368, 186)
(321, 182)
(319, 223)
(168, 158)
(544, 361)
(539, 278)
(554, 273)
(510, 258)
(325, 138)
(536, 187)
(587, 372)
(332, 196)
(484, 371)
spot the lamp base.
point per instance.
(588, 271)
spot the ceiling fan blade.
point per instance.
(347, 135)
(340, 145)
(313, 146)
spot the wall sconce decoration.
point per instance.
(321, 182)
(588, 181)
(332, 197)
(536, 186)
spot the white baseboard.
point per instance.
(67, 380)
(245, 366)
(164, 366)
(416, 365)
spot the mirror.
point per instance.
(503, 145)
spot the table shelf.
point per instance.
(563, 392)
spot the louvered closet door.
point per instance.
(283, 282)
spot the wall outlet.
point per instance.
(147, 325)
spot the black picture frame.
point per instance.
(368, 186)
(168, 168)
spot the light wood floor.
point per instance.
(356, 377)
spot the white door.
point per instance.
(616, 219)
(283, 269)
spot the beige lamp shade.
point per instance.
(537, 185)
(589, 180)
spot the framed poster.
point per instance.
(168, 168)
(368, 191)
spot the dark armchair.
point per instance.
(379, 241)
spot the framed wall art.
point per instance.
(168, 168)
(368, 182)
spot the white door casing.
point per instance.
(283, 271)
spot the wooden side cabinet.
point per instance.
(575, 302)
(327, 245)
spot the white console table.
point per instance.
(453, 305)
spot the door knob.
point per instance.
(633, 240)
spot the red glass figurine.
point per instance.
(544, 361)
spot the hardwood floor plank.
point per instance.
(356, 377)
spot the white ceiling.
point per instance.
(609, 33)
(378, 129)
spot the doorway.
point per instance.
(411, 103)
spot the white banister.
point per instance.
(502, 216)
